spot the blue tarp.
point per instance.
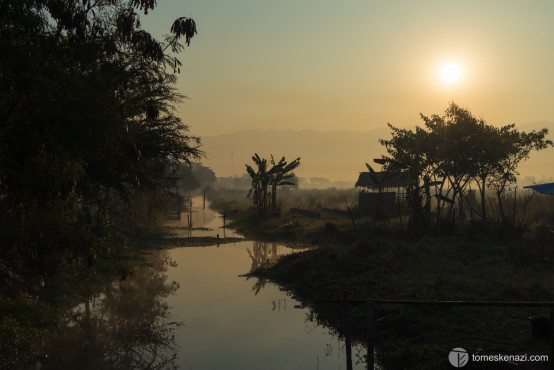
(543, 188)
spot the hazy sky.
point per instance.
(356, 65)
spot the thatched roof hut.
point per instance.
(388, 180)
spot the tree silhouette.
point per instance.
(86, 119)
(260, 182)
(281, 175)
(265, 180)
(455, 150)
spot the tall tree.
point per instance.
(453, 150)
(86, 116)
(407, 153)
(514, 147)
(455, 139)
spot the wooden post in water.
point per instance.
(178, 206)
(190, 213)
(347, 333)
(370, 336)
(224, 217)
(204, 206)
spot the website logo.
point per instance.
(458, 357)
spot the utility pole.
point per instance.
(232, 163)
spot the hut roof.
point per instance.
(391, 180)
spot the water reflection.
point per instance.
(229, 327)
(266, 253)
(129, 326)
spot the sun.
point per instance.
(451, 73)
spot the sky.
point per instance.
(356, 65)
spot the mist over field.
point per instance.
(334, 155)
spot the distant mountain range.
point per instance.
(335, 155)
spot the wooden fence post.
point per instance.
(400, 215)
(347, 334)
(370, 336)
(190, 213)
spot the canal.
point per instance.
(193, 308)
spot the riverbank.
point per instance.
(371, 260)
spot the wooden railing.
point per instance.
(371, 320)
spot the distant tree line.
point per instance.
(266, 180)
(450, 153)
(86, 120)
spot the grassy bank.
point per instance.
(374, 260)
(294, 224)
(429, 269)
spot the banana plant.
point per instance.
(265, 180)
(281, 175)
(260, 181)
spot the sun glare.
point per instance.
(451, 73)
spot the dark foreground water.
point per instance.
(190, 308)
